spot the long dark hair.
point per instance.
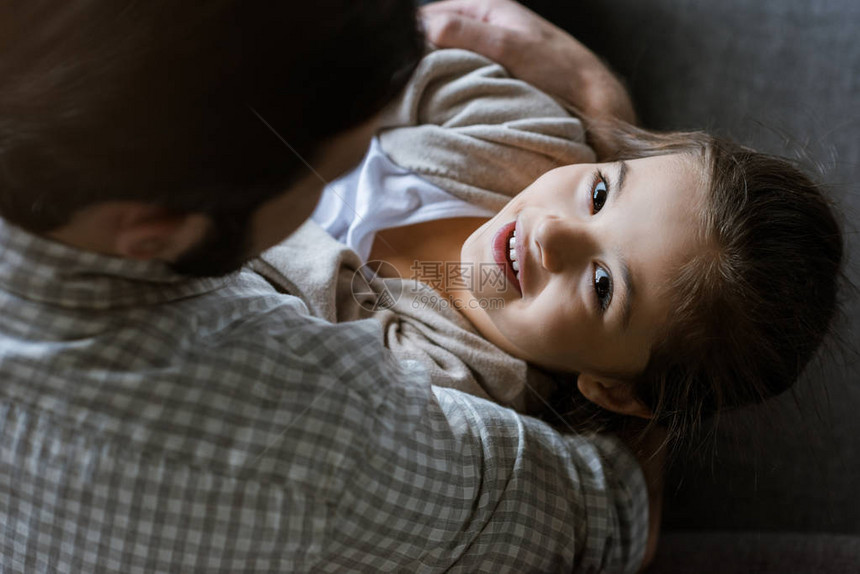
(747, 315)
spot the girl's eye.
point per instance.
(602, 287)
(599, 191)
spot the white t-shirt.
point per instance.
(378, 195)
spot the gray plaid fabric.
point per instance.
(150, 423)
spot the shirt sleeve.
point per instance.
(473, 486)
(386, 473)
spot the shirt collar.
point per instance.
(38, 269)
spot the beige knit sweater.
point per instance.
(466, 126)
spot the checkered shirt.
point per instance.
(152, 423)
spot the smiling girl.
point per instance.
(682, 275)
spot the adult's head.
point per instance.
(175, 130)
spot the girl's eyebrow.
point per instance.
(629, 292)
(623, 168)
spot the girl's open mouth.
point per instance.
(505, 254)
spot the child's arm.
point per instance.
(533, 50)
(466, 126)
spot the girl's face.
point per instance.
(594, 247)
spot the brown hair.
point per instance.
(747, 315)
(160, 101)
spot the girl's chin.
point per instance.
(471, 253)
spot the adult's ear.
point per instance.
(147, 232)
(152, 232)
(612, 395)
(133, 229)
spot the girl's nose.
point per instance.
(564, 243)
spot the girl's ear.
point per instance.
(612, 395)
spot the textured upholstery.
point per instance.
(756, 552)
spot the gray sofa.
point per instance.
(773, 489)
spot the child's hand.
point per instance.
(533, 50)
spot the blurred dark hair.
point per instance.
(749, 313)
(155, 100)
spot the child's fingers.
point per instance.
(450, 30)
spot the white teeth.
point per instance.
(512, 253)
